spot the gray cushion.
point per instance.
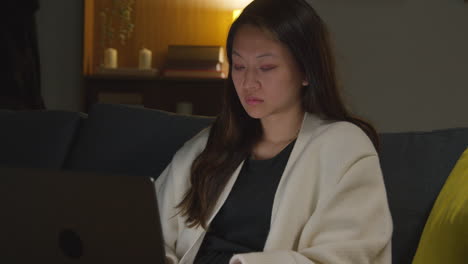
(36, 139)
(130, 140)
(415, 167)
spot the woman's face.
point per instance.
(267, 78)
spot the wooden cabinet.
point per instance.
(204, 95)
(129, 26)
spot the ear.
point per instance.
(305, 83)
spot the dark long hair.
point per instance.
(234, 133)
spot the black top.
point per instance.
(243, 222)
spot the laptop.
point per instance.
(78, 217)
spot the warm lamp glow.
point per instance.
(209, 4)
(236, 13)
(231, 4)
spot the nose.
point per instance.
(250, 80)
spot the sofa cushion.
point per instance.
(37, 139)
(415, 166)
(131, 140)
(445, 235)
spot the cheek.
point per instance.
(284, 90)
(236, 79)
(277, 87)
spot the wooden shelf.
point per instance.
(159, 93)
(156, 24)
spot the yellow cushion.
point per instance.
(445, 235)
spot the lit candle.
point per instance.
(110, 58)
(144, 60)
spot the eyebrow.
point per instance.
(259, 56)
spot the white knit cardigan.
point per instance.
(330, 205)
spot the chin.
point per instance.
(255, 113)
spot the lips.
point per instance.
(250, 100)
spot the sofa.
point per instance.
(120, 139)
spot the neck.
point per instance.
(282, 128)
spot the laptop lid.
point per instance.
(78, 217)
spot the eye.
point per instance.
(267, 68)
(238, 67)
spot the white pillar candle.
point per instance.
(110, 58)
(144, 59)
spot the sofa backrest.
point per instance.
(415, 167)
(131, 140)
(138, 141)
(37, 139)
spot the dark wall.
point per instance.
(60, 36)
(404, 63)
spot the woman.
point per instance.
(285, 174)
